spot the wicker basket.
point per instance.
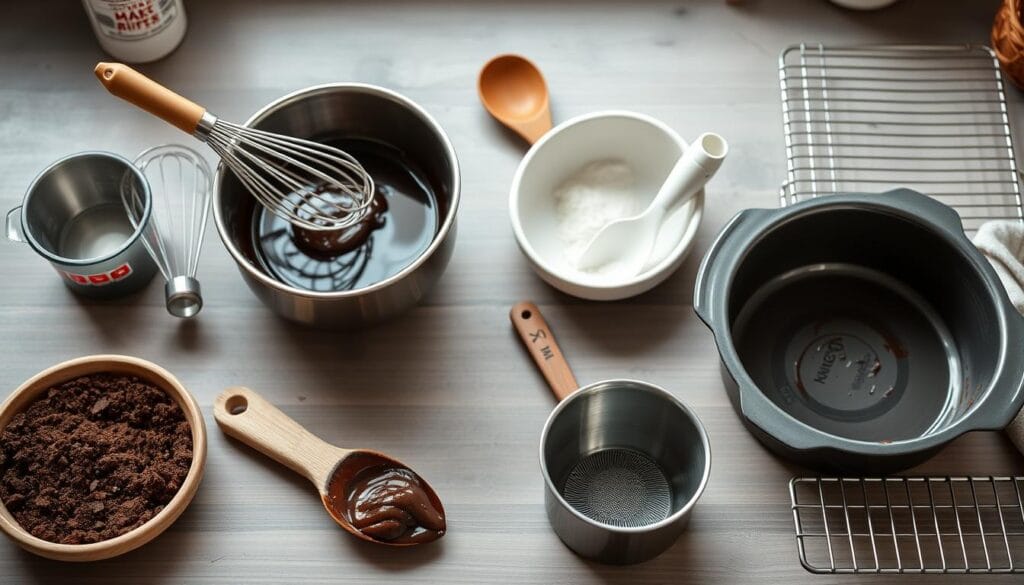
(1008, 41)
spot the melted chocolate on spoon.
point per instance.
(390, 504)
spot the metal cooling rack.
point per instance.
(909, 524)
(869, 119)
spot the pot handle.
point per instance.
(539, 341)
(1015, 430)
(710, 271)
(1001, 408)
(14, 225)
(928, 207)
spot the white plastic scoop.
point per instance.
(628, 242)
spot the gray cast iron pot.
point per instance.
(861, 332)
(358, 111)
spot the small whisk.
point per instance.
(180, 185)
(312, 185)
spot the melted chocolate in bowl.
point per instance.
(388, 503)
(335, 242)
(399, 227)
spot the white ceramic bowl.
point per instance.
(650, 148)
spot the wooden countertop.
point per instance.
(445, 387)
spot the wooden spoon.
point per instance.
(246, 416)
(512, 89)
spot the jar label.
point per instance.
(132, 20)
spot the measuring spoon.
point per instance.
(512, 89)
(245, 415)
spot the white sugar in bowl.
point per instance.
(649, 148)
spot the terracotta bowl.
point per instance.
(137, 537)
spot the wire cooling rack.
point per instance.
(868, 119)
(909, 524)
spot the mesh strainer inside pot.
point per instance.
(620, 487)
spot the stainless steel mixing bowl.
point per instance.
(348, 110)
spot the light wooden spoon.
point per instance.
(243, 414)
(512, 89)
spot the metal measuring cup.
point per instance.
(624, 461)
(74, 217)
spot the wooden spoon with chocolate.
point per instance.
(370, 495)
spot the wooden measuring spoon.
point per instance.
(537, 337)
(338, 474)
(512, 89)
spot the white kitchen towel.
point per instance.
(1003, 243)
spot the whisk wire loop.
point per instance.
(181, 187)
(314, 186)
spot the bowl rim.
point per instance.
(104, 549)
(310, 92)
(656, 273)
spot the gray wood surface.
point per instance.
(445, 387)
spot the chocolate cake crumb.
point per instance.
(93, 458)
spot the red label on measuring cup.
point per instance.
(120, 272)
(100, 278)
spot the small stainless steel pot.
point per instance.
(358, 111)
(861, 332)
(624, 462)
(630, 416)
(74, 217)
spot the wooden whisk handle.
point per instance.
(540, 342)
(134, 87)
